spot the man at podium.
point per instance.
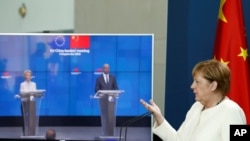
(106, 81)
(26, 86)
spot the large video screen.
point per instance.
(67, 66)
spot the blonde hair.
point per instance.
(214, 70)
(27, 71)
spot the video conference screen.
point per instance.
(67, 66)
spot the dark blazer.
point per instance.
(101, 85)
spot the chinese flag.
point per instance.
(231, 48)
(80, 41)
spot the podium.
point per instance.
(31, 101)
(107, 103)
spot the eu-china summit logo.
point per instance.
(239, 132)
(71, 42)
(70, 45)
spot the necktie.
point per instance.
(107, 78)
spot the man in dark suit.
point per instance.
(106, 81)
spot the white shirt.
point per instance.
(27, 87)
(106, 77)
(212, 124)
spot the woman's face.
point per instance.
(202, 88)
(27, 76)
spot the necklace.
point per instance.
(216, 103)
(220, 100)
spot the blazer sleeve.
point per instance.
(115, 86)
(21, 87)
(165, 131)
(97, 84)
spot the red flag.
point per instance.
(80, 41)
(231, 48)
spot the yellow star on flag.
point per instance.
(243, 53)
(221, 14)
(224, 62)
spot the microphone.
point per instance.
(133, 120)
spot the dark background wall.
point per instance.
(190, 38)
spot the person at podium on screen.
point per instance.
(210, 117)
(26, 86)
(106, 81)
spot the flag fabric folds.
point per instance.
(231, 49)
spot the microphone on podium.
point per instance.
(131, 121)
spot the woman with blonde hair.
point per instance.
(210, 117)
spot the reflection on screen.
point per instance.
(67, 65)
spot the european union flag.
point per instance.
(60, 42)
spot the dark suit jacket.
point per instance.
(101, 85)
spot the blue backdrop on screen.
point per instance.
(67, 66)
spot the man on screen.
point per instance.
(106, 81)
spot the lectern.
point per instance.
(107, 103)
(31, 101)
